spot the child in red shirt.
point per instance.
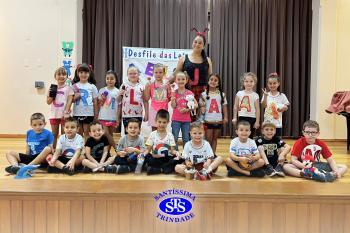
(310, 145)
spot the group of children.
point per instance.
(87, 136)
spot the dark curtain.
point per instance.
(108, 25)
(264, 36)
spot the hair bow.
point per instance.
(200, 33)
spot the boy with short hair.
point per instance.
(96, 149)
(244, 157)
(128, 148)
(69, 148)
(39, 144)
(161, 156)
(272, 149)
(310, 145)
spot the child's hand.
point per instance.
(234, 121)
(183, 110)
(145, 119)
(51, 161)
(122, 153)
(77, 96)
(265, 91)
(256, 125)
(337, 174)
(129, 150)
(188, 163)
(117, 122)
(206, 164)
(71, 164)
(244, 159)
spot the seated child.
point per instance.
(272, 149)
(129, 147)
(69, 148)
(39, 145)
(161, 155)
(96, 150)
(199, 155)
(244, 155)
(310, 145)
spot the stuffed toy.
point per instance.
(190, 104)
(311, 172)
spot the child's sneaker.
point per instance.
(257, 173)
(199, 176)
(279, 170)
(111, 169)
(153, 170)
(87, 170)
(67, 171)
(12, 169)
(269, 171)
(122, 169)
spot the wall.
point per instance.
(330, 63)
(30, 45)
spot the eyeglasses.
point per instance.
(312, 133)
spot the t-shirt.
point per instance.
(198, 154)
(108, 111)
(132, 102)
(85, 106)
(213, 106)
(69, 146)
(273, 103)
(301, 148)
(161, 146)
(246, 107)
(125, 142)
(59, 103)
(38, 141)
(243, 148)
(181, 102)
(97, 146)
(160, 94)
(271, 148)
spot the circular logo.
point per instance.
(175, 206)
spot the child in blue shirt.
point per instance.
(39, 145)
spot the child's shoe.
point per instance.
(111, 169)
(199, 176)
(122, 169)
(153, 170)
(12, 169)
(269, 171)
(279, 170)
(67, 171)
(257, 173)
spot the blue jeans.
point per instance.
(176, 126)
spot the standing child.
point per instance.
(199, 154)
(311, 146)
(69, 148)
(273, 150)
(274, 102)
(159, 93)
(160, 152)
(109, 113)
(181, 118)
(39, 144)
(85, 107)
(214, 106)
(244, 155)
(60, 98)
(246, 105)
(96, 150)
(133, 99)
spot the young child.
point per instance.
(274, 102)
(214, 106)
(159, 93)
(96, 150)
(246, 105)
(39, 144)
(310, 145)
(160, 152)
(198, 154)
(68, 154)
(109, 106)
(85, 107)
(181, 118)
(60, 99)
(244, 157)
(272, 149)
(129, 147)
(132, 98)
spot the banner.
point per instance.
(145, 59)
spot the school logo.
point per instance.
(175, 205)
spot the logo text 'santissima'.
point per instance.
(175, 205)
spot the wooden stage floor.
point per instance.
(112, 203)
